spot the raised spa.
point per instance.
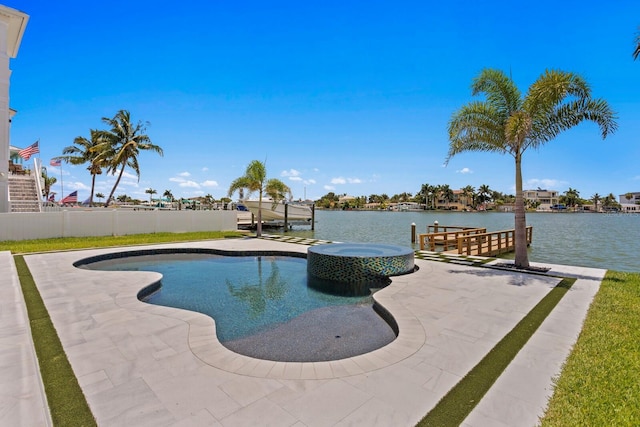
(359, 262)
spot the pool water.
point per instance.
(246, 295)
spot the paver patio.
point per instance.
(142, 365)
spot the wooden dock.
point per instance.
(471, 241)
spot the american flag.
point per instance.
(71, 198)
(26, 153)
(52, 197)
(55, 162)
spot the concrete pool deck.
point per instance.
(147, 365)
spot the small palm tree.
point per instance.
(48, 183)
(99, 196)
(255, 179)
(168, 195)
(508, 123)
(122, 145)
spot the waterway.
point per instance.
(610, 241)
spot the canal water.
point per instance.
(610, 241)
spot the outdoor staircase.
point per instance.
(23, 194)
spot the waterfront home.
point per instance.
(545, 199)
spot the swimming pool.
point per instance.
(263, 304)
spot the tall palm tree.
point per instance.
(508, 123)
(636, 52)
(122, 145)
(87, 151)
(255, 179)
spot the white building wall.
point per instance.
(112, 222)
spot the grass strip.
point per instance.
(458, 403)
(71, 243)
(600, 382)
(67, 404)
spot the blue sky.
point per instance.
(350, 97)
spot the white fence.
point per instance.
(111, 222)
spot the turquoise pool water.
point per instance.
(246, 295)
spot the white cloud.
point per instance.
(189, 184)
(209, 183)
(544, 183)
(78, 186)
(341, 180)
(295, 178)
(205, 169)
(464, 171)
(310, 181)
(290, 173)
(329, 187)
(185, 174)
(184, 183)
(125, 175)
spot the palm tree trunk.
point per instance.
(259, 225)
(522, 258)
(93, 186)
(113, 190)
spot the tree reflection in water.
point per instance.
(256, 295)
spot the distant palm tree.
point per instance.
(255, 179)
(508, 123)
(469, 193)
(209, 200)
(596, 198)
(87, 151)
(122, 145)
(99, 196)
(168, 195)
(150, 192)
(48, 183)
(571, 197)
(446, 194)
(484, 195)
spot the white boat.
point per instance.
(275, 211)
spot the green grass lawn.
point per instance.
(70, 243)
(600, 382)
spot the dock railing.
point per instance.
(490, 244)
(446, 240)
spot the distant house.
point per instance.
(546, 198)
(635, 198)
(459, 202)
(630, 205)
